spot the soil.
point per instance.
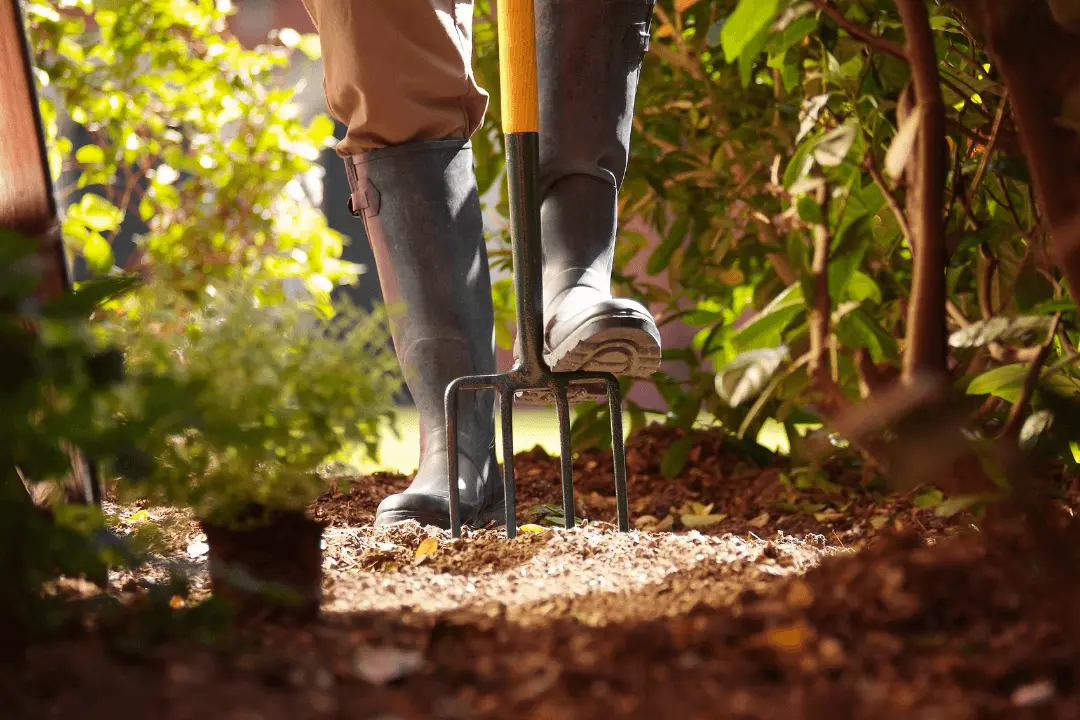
(820, 601)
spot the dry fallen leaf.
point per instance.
(760, 521)
(382, 665)
(787, 638)
(698, 521)
(429, 546)
(1032, 694)
(657, 525)
(643, 521)
(828, 516)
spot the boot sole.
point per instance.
(624, 345)
(496, 514)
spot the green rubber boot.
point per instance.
(421, 210)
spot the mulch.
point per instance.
(930, 618)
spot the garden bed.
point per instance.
(780, 609)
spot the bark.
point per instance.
(1039, 63)
(926, 349)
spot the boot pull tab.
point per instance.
(638, 35)
(362, 201)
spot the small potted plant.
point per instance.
(273, 392)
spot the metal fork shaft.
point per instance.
(567, 458)
(506, 407)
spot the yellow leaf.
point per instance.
(429, 546)
(531, 528)
(681, 5)
(787, 638)
(664, 31)
(696, 521)
(658, 526)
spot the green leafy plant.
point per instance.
(271, 393)
(54, 386)
(195, 134)
(793, 157)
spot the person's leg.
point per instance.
(589, 60)
(398, 72)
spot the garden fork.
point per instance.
(521, 122)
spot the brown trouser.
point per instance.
(398, 71)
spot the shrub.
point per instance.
(271, 394)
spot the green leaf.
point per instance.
(1055, 306)
(766, 328)
(1006, 381)
(1018, 330)
(97, 213)
(1002, 381)
(88, 297)
(858, 329)
(834, 145)
(795, 31)
(747, 375)
(749, 19)
(90, 154)
(98, 253)
(750, 54)
(955, 505)
(674, 458)
(862, 288)
(661, 256)
(929, 497)
(847, 256)
(809, 211)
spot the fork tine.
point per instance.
(563, 405)
(618, 453)
(451, 406)
(506, 406)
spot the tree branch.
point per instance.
(1015, 420)
(890, 199)
(989, 150)
(819, 318)
(926, 350)
(859, 32)
(1037, 60)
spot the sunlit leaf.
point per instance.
(896, 159)
(1024, 329)
(747, 375)
(833, 147)
(749, 18)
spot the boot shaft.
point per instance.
(589, 57)
(422, 214)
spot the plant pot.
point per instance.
(270, 569)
